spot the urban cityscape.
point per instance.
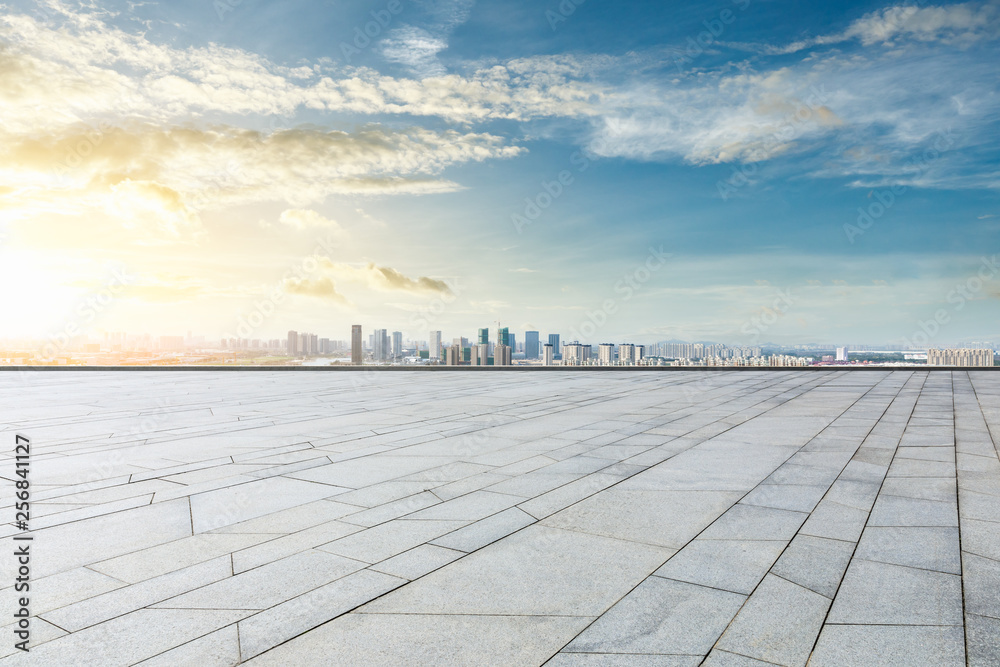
(489, 347)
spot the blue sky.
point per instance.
(844, 154)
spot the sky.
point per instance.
(740, 171)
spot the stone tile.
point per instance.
(982, 585)
(230, 505)
(280, 623)
(536, 571)
(485, 531)
(815, 563)
(747, 522)
(277, 548)
(100, 608)
(661, 616)
(778, 624)
(793, 497)
(392, 510)
(417, 562)
(388, 539)
(391, 640)
(897, 511)
(268, 585)
(904, 467)
(982, 640)
(663, 518)
(155, 561)
(940, 489)
(113, 644)
(731, 565)
(981, 538)
(889, 646)
(926, 548)
(878, 593)
(471, 507)
(72, 545)
(568, 494)
(217, 649)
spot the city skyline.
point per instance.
(446, 163)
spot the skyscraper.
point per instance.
(548, 354)
(293, 343)
(357, 355)
(554, 342)
(503, 336)
(502, 356)
(484, 337)
(531, 344)
(380, 346)
(434, 346)
(397, 344)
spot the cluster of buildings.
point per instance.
(964, 357)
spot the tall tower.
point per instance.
(357, 355)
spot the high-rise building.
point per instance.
(502, 355)
(629, 354)
(380, 345)
(397, 344)
(606, 354)
(503, 336)
(962, 357)
(576, 354)
(554, 342)
(512, 343)
(548, 354)
(531, 344)
(484, 337)
(454, 355)
(357, 354)
(841, 354)
(293, 343)
(434, 347)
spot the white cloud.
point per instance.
(175, 172)
(960, 24)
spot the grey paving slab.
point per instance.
(815, 563)
(730, 565)
(663, 518)
(928, 548)
(662, 616)
(536, 571)
(418, 561)
(889, 646)
(297, 517)
(749, 522)
(485, 531)
(392, 640)
(779, 623)
(982, 640)
(883, 594)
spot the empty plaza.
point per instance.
(588, 519)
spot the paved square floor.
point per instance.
(456, 518)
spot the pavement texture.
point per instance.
(567, 519)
